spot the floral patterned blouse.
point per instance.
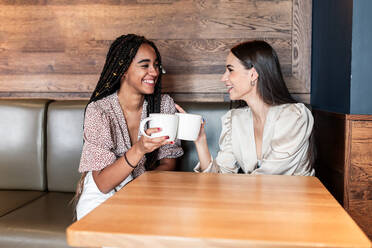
(106, 135)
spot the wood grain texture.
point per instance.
(175, 20)
(193, 37)
(301, 41)
(69, 83)
(179, 57)
(360, 174)
(180, 209)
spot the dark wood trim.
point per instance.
(348, 131)
(359, 117)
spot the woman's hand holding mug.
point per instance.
(147, 144)
(202, 137)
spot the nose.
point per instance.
(224, 77)
(153, 71)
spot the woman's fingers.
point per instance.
(159, 141)
(152, 144)
(179, 109)
(150, 131)
(156, 140)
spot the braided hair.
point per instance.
(118, 60)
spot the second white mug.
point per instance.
(188, 126)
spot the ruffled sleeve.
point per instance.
(175, 150)
(287, 153)
(98, 140)
(225, 161)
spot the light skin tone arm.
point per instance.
(111, 176)
(200, 144)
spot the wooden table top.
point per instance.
(183, 209)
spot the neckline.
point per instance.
(123, 122)
(264, 133)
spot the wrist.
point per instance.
(201, 141)
(137, 150)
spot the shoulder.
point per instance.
(293, 124)
(293, 112)
(167, 104)
(100, 108)
(234, 115)
(166, 99)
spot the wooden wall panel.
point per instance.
(360, 174)
(57, 48)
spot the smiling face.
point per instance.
(238, 79)
(143, 72)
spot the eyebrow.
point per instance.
(143, 60)
(229, 66)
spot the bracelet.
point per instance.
(126, 159)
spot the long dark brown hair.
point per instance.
(119, 57)
(271, 86)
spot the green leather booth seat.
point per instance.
(40, 150)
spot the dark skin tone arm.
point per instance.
(111, 176)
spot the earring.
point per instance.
(253, 82)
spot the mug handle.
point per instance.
(142, 126)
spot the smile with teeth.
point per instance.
(229, 88)
(149, 81)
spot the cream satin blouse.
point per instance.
(284, 146)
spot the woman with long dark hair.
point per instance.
(114, 153)
(271, 133)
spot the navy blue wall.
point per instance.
(361, 63)
(331, 55)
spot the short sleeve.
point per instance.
(98, 140)
(290, 142)
(225, 161)
(175, 150)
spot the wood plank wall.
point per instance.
(56, 48)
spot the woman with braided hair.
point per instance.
(114, 153)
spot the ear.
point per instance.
(123, 78)
(254, 74)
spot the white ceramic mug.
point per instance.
(188, 126)
(167, 122)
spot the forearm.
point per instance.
(111, 176)
(203, 153)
